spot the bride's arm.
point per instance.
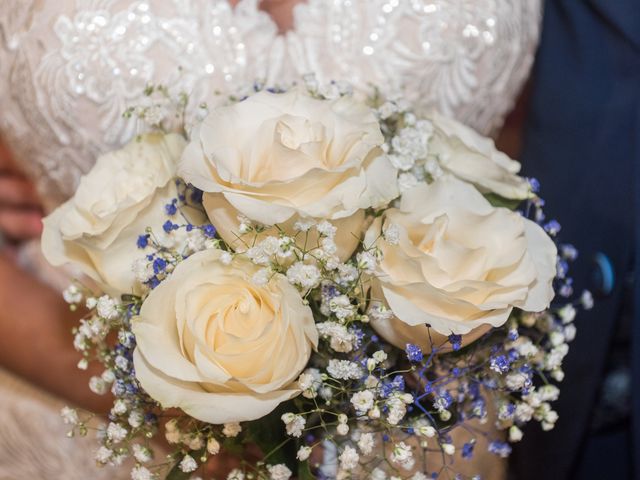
(36, 340)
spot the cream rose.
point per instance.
(220, 348)
(474, 158)
(275, 158)
(123, 194)
(458, 263)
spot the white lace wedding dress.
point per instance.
(69, 69)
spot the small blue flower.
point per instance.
(209, 231)
(168, 226)
(499, 364)
(467, 450)
(502, 449)
(159, 265)
(171, 208)
(513, 334)
(455, 341)
(143, 241)
(552, 227)
(414, 353)
(385, 438)
(535, 185)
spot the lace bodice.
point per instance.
(69, 68)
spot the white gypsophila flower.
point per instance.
(116, 433)
(344, 369)
(374, 413)
(303, 275)
(556, 338)
(294, 424)
(367, 261)
(108, 376)
(136, 418)
(69, 416)
(548, 393)
(419, 476)
(270, 245)
(119, 407)
(554, 358)
(303, 453)
(380, 356)
(304, 224)
(557, 374)
(349, 458)
(524, 412)
(342, 429)
(188, 464)
(362, 401)
(525, 347)
(173, 437)
(225, 258)
(401, 454)
(401, 162)
(194, 442)
(379, 312)
(121, 363)
(261, 277)
(406, 181)
(327, 229)
(309, 382)
(347, 274)
(567, 313)
(515, 434)
(141, 473)
(433, 168)
(425, 430)
(103, 454)
(411, 142)
(236, 474)
(378, 474)
(387, 109)
(142, 269)
(448, 448)
(366, 442)
(91, 303)
(213, 446)
(72, 294)
(516, 381)
(279, 472)
(570, 332)
(141, 453)
(258, 256)
(341, 340)
(107, 307)
(231, 429)
(391, 233)
(97, 385)
(586, 299)
(341, 307)
(328, 246)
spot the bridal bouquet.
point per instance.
(322, 285)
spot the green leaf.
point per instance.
(304, 471)
(270, 435)
(176, 474)
(498, 201)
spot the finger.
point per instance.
(16, 191)
(19, 224)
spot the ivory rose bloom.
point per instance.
(275, 158)
(124, 193)
(474, 158)
(211, 342)
(458, 264)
